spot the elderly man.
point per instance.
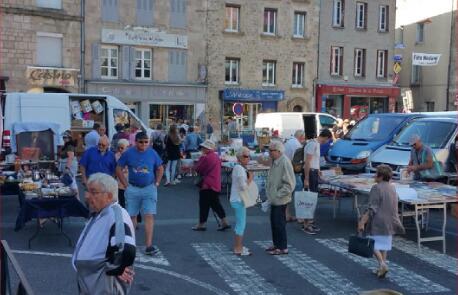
(279, 187)
(92, 138)
(421, 161)
(98, 159)
(291, 146)
(103, 255)
(145, 173)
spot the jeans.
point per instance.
(170, 170)
(278, 226)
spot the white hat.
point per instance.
(208, 144)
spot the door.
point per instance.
(310, 125)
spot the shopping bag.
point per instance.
(305, 204)
(361, 246)
(250, 195)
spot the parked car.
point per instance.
(288, 122)
(437, 133)
(352, 152)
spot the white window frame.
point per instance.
(142, 60)
(381, 64)
(270, 66)
(361, 15)
(109, 57)
(420, 33)
(383, 18)
(231, 9)
(360, 56)
(337, 13)
(299, 24)
(233, 62)
(271, 17)
(298, 75)
(336, 66)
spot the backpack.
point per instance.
(298, 159)
(158, 144)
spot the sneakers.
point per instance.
(179, 176)
(151, 250)
(309, 230)
(245, 252)
(176, 181)
(167, 183)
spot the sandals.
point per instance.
(199, 228)
(245, 252)
(224, 227)
(278, 252)
(381, 274)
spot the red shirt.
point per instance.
(209, 167)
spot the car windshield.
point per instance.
(374, 128)
(432, 133)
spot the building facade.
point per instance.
(262, 56)
(40, 45)
(356, 48)
(150, 54)
(427, 78)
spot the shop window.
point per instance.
(420, 36)
(361, 15)
(338, 10)
(333, 105)
(109, 62)
(178, 13)
(268, 73)
(49, 49)
(298, 75)
(360, 63)
(143, 64)
(383, 18)
(336, 61)
(36, 145)
(145, 12)
(299, 24)
(56, 4)
(382, 63)
(110, 10)
(170, 114)
(232, 71)
(231, 21)
(247, 120)
(270, 21)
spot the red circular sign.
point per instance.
(237, 108)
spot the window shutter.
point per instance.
(145, 16)
(387, 18)
(184, 66)
(178, 13)
(132, 62)
(341, 61)
(330, 62)
(125, 62)
(172, 67)
(385, 69)
(364, 63)
(365, 15)
(343, 14)
(96, 61)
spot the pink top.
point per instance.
(209, 167)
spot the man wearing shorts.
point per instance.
(145, 173)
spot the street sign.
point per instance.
(397, 68)
(237, 108)
(397, 58)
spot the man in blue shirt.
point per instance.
(145, 173)
(92, 138)
(98, 159)
(191, 142)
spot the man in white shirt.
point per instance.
(291, 146)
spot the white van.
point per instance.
(63, 111)
(288, 122)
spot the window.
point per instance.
(420, 38)
(109, 62)
(232, 71)
(360, 62)
(145, 14)
(298, 75)
(270, 21)
(381, 63)
(49, 49)
(231, 22)
(336, 61)
(142, 63)
(299, 24)
(416, 75)
(56, 4)
(383, 18)
(430, 106)
(268, 73)
(178, 17)
(361, 15)
(110, 10)
(338, 13)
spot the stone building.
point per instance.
(356, 58)
(261, 56)
(40, 45)
(150, 54)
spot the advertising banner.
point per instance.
(425, 59)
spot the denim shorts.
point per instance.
(141, 198)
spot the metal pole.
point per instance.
(82, 49)
(450, 52)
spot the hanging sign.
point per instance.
(425, 59)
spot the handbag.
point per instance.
(305, 204)
(361, 246)
(250, 195)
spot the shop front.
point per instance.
(249, 103)
(353, 102)
(156, 103)
(48, 79)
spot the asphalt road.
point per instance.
(202, 263)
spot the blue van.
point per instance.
(353, 150)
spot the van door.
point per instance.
(46, 108)
(310, 125)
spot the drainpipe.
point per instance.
(315, 81)
(82, 48)
(450, 52)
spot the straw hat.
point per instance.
(208, 144)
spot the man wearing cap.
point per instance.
(421, 160)
(145, 173)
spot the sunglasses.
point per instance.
(142, 141)
(273, 150)
(245, 156)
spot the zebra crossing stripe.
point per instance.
(319, 275)
(435, 258)
(233, 270)
(157, 258)
(410, 281)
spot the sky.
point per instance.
(412, 11)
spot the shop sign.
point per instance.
(252, 95)
(45, 76)
(147, 37)
(425, 59)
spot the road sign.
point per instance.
(397, 57)
(395, 79)
(237, 108)
(397, 68)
